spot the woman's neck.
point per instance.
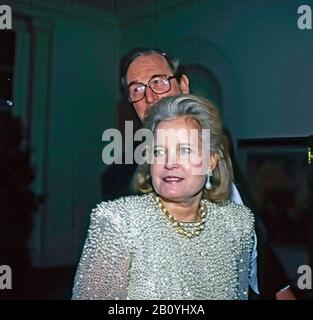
(184, 209)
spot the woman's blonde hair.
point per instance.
(207, 117)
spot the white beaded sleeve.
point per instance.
(102, 272)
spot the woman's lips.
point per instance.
(172, 179)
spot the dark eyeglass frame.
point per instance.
(148, 85)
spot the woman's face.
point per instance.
(180, 161)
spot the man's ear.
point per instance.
(184, 84)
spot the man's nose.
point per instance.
(151, 97)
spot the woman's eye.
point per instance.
(185, 150)
(159, 152)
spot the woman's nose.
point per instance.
(171, 161)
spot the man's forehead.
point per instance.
(147, 66)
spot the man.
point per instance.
(146, 77)
(143, 67)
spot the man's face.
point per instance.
(142, 69)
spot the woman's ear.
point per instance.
(184, 84)
(213, 161)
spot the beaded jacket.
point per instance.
(133, 252)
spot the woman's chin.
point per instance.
(172, 193)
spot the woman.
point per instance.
(182, 239)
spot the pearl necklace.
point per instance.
(183, 228)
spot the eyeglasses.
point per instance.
(159, 84)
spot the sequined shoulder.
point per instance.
(122, 210)
(233, 215)
(243, 215)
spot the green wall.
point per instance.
(74, 96)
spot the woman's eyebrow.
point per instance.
(184, 144)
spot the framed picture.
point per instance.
(278, 182)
